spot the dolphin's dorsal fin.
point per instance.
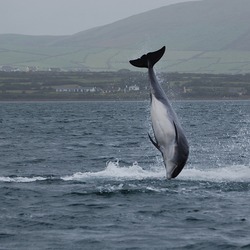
(148, 60)
(153, 142)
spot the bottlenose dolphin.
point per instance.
(170, 139)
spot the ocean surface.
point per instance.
(84, 175)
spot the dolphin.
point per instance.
(170, 139)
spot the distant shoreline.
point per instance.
(118, 100)
(118, 86)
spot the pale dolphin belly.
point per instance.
(163, 127)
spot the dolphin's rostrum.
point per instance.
(170, 139)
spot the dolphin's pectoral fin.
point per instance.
(176, 133)
(153, 142)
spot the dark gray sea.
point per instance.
(84, 175)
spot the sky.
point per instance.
(66, 17)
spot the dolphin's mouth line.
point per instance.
(170, 174)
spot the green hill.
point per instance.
(209, 36)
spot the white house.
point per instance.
(133, 88)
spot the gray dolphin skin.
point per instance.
(170, 139)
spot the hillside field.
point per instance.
(208, 36)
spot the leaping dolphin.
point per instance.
(170, 139)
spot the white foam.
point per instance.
(237, 173)
(22, 179)
(114, 171)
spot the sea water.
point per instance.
(84, 175)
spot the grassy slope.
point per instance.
(209, 36)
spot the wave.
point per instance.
(113, 171)
(22, 179)
(235, 173)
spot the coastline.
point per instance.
(118, 86)
(41, 100)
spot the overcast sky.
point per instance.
(65, 17)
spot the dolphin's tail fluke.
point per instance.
(148, 60)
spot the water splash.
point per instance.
(22, 179)
(235, 173)
(113, 172)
